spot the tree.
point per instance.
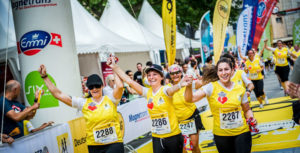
(187, 11)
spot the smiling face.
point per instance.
(279, 44)
(96, 92)
(224, 72)
(251, 54)
(154, 78)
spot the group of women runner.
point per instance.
(171, 107)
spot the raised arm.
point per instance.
(53, 89)
(137, 87)
(118, 90)
(266, 46)
(241, 55)
(187, 80)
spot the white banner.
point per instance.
(243, 29)
(136, 118)
(45, 35)
(56, 139)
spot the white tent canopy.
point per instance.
(153, 22)
(116, 18)
(91, 36)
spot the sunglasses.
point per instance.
(94, 86)
(173, 73)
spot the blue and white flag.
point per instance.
(252, 4)
(243, 29)
(205, 36)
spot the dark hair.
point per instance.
(209, 59)
(210, 73)
(279, 41)
(225, 60)
(193, 63)
(128, 71)
(139, 64)
(249, 51)
(149, 63)
(230, 57)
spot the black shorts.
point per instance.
(110, 148)
(234, 144)
(283, 72)
(268, 63)
(198, 121)
(173, 144)
(258, 87)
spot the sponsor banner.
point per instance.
(77, 128)
(232, 43)
(296, 32)
(169, 28)
(264, 11)
(252, 4)
(243, 30)
(136, 119)
(55, 139)
(205, 30)
(106, 70)
(220, 21)
(45, 35)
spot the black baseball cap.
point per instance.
(156, 68)
(94, 79)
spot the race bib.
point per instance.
(188, 127)
(160, 123)
(105, 133)
(253, 75)
(230, 118)
(281, 60)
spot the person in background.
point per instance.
(7, 139)
(103, 129)
(132, 94)
(149, 63)
(293, 86)
(28, 127)
(110, 84)
(209, 61)
(14, 111)
(138, 74)
(184, 68)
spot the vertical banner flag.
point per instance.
(264, 11)
(232, 43)
(243, 30)
(296, 32)
(169, 27)
(266, 35)
(252, 4)
(220, 21)
(45, 35)
(205, 29)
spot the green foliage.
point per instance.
(188, 11)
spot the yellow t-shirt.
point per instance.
(162, 114)
(281, 57)
(252, 67)
(226, 108)
(145, 83)
(102, 122)
(237, 78)
(27, 127)
(296, 53)
(183, 109)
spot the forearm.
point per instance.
(173, 89)
(295, 76)
(23, 114)
(188, 94)
(250, 86)
(247, 111)
(52, 88)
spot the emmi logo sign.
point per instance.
(63, 143)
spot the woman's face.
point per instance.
(176, 76)
(251, 54)
(224, 72)
(154, 78)
(96, 91)
(279, 44)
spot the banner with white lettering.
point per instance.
(136, 118)
(243, 29)
(55, 139)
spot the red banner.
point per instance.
(264, 11)
(106, 70)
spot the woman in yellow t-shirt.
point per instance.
(166, 135)
(100, 112)
(187, 113)
(281, 54)
(230, 109)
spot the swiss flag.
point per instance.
(56, 39)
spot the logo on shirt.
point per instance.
(16, 108)
(161, 101)
(222, 97)
(150, 103)
(92, 106)
(106, 106)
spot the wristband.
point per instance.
(44, 76)
(247, 90)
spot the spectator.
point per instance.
(130, 92)
(185, 68)
(14, 111)
(138, 74)
(193, 70)
(28, 127)
(149, 63)
(110, 83)
(293, 86)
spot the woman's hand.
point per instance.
(111, 62)
(186, 81)
(42, 71)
